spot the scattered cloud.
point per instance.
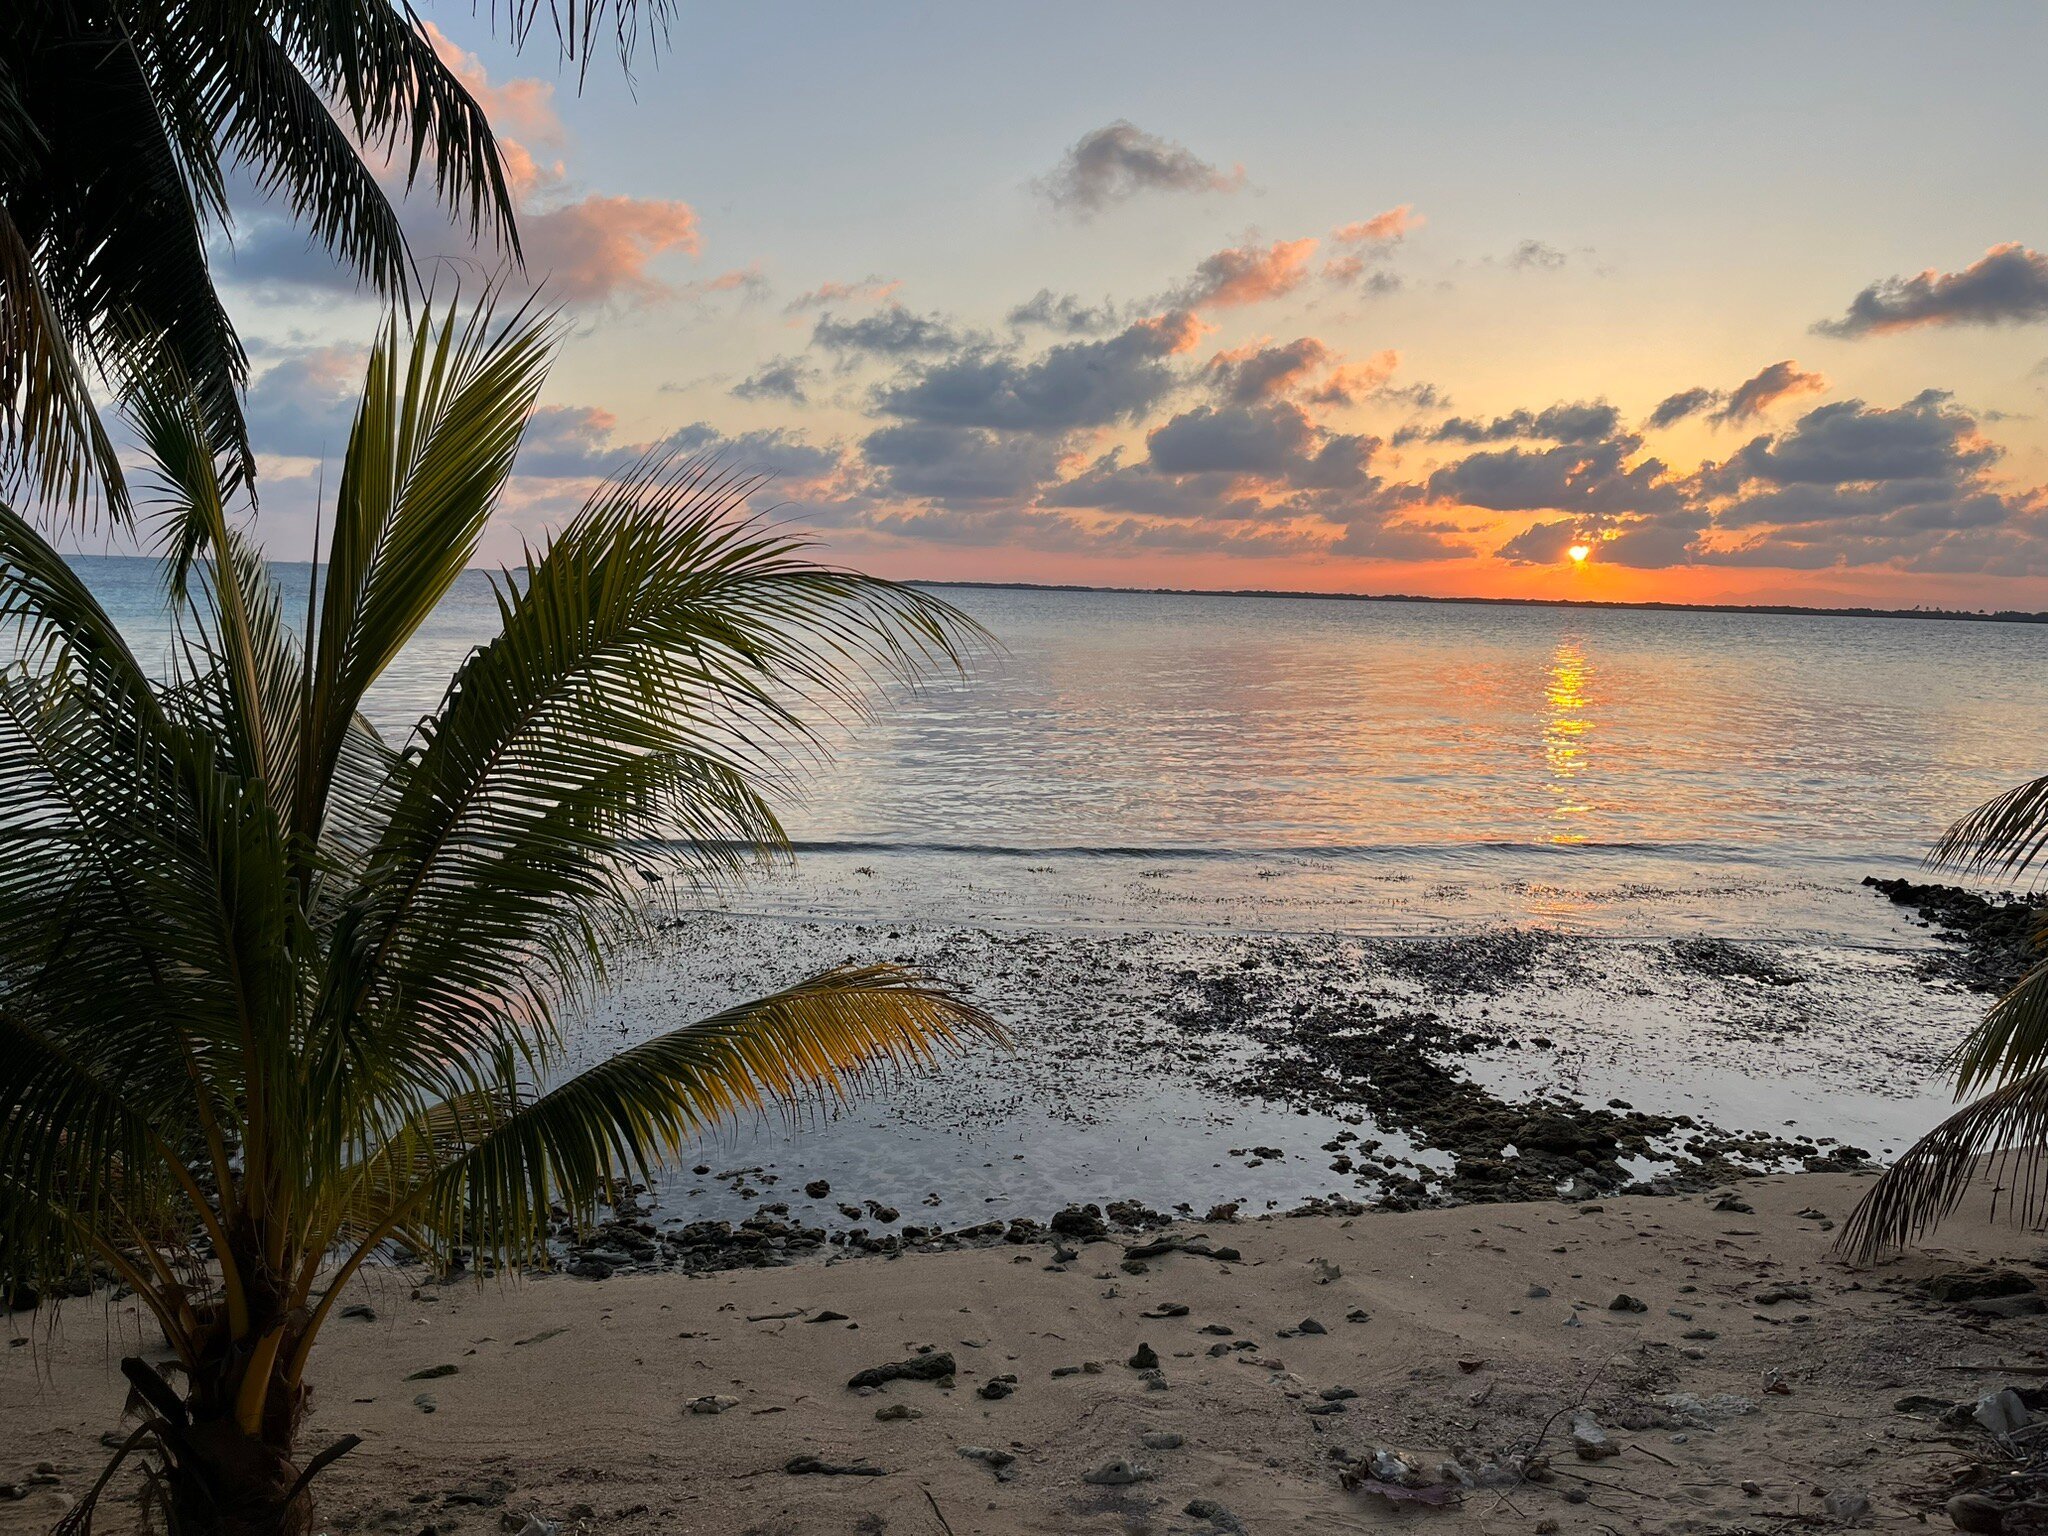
(1118, 162)
(601, 248)
(2008, 285)
(1386, 228)
(872, 289)
(893, 332)
(1534, 255)
(1780, 381)
(1064, 312)
(782, 378)
(1247, 274)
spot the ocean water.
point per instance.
(1351, 766)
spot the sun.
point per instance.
(1579, 552)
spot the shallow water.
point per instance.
(1319, 764)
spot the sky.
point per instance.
(1746, 303)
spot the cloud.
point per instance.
(302, 404)
(1073, 385)
(523, 106)
(1751, 398)
(1673, 409)
(1064, 312)
(960, 464)
(2008, 285)
(1594, 477)
(1118, 162)
(1578, 421)
(1247, 274)
(1307, 368)
(601, 248)
(1534, 255)
(1386, 228)
(781, 378)
(894, 332)
(872, 289)
(1541, 543)
(1780, 381)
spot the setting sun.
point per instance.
(1579, 552)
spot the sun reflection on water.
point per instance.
(1565, 730)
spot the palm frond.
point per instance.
(626, 1115)
(2002, 837)
(2002, 1137)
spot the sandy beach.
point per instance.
(1714, 1349)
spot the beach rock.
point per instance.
(433, 1373)
(818, 1189)
(1083, 1221)
(716, 1402)
(1537, 1292)
(997, 1461)
(362, 1312)
(814, 1466)
(424, 1401)
(1161, 1440)
(997, 1388)
(1166, 1309)
(1976, 1283)
(1771, 1295)
(897, 1411)
(1144, 1358)
(1976, 1513)
(1590, 1441)
(936, 1366)
(1217, 1516)
(589, 1269)
(1627, 1303)
(850, 1212)
(1117, 1474)
(1847, 1507)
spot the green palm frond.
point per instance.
(273, 990)
(2002, 837)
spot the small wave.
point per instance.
(1482, 851)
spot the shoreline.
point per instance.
(1697, 1345)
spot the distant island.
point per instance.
(1977, 616)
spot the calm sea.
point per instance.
(1375, 766)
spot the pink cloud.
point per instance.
(868, 290)
(1176, 331)
(600, 246)
(523, 105)
(1781, 381)
(1381, 228)
(1249, 274)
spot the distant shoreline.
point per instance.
(1791, 610)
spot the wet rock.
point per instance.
(1144, 1358)
(716, 1402)
(997, 1388)
(1627, 1303)
(1083, 1221)
(935, 1366)
(818, 1189)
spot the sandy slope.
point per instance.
(573, 1393)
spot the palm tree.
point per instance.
(276, 993)
(2007, 1053)
(117, 119)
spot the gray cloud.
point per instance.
(960, 464)
(1064, 312)
(1120, 161)
(781, 378)
(1074, 385)
(1535, 255)
(1541, 543)
(893, 332)
(1673, 409)
(2008, 285)
(1578, 421)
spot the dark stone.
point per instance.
(936, 1366)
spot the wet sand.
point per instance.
(1756, 1358)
